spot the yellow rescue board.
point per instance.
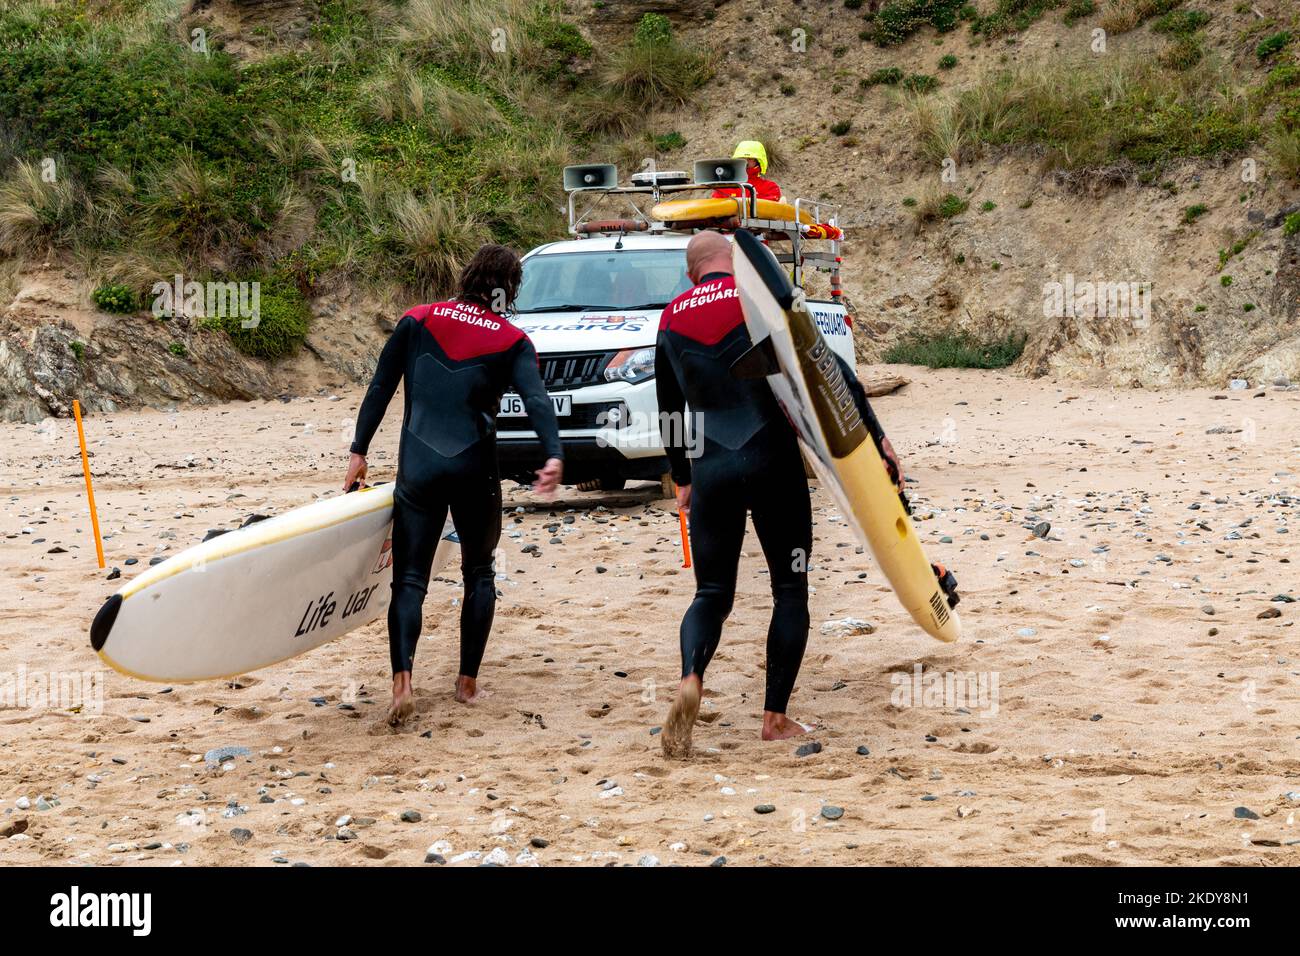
(694, 210)
(807, 382)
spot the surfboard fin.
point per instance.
(103, 622)
(757, 362)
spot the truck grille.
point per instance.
(565, 370)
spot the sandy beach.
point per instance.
(1126, 568)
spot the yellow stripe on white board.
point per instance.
(242, 543)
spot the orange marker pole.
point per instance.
(686, 540)
(686, 535)
(90, 492)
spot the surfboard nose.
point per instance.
(103, 622)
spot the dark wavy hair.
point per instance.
(494, 272)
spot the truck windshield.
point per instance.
(602, 281)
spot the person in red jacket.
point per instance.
(756, 170)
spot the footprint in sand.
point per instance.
(974, 748)
(251, 714)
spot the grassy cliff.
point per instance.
(384, 145)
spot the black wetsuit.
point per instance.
(745, 458)
(457, 358)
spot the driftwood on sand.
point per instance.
(881, 383)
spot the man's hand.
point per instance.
(684, 498)
(891, 463)
(356, 470)
(548, 477)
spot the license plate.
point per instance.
(512, 406)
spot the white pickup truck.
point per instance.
(591, 307)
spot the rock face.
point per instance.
(348, 331)
(989, 275)
(123, 364)
(1199, 331)
(54, 349)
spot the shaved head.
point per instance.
(707, 252)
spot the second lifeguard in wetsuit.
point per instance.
(457, 359)
(745, 460)
(746, 463)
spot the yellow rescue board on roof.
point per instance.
(694, 210)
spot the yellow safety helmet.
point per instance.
(752, 149)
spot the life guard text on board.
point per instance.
(320, 611)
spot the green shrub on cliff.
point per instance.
(115, 298)
(899, 19)
(278, 328)
(951, 349)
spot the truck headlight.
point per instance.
(631, 365)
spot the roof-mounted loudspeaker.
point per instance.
(596, 176)
(710, 171)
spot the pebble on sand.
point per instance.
(219, 755)
(848, 627)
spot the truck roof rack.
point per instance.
(595, 183)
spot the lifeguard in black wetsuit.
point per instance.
(457, 359)
(746, 461)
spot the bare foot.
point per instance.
(676, 735)
(467, 690)
(780, 727)
(403, 705)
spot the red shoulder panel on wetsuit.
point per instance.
(465, 330)
(705, 313)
